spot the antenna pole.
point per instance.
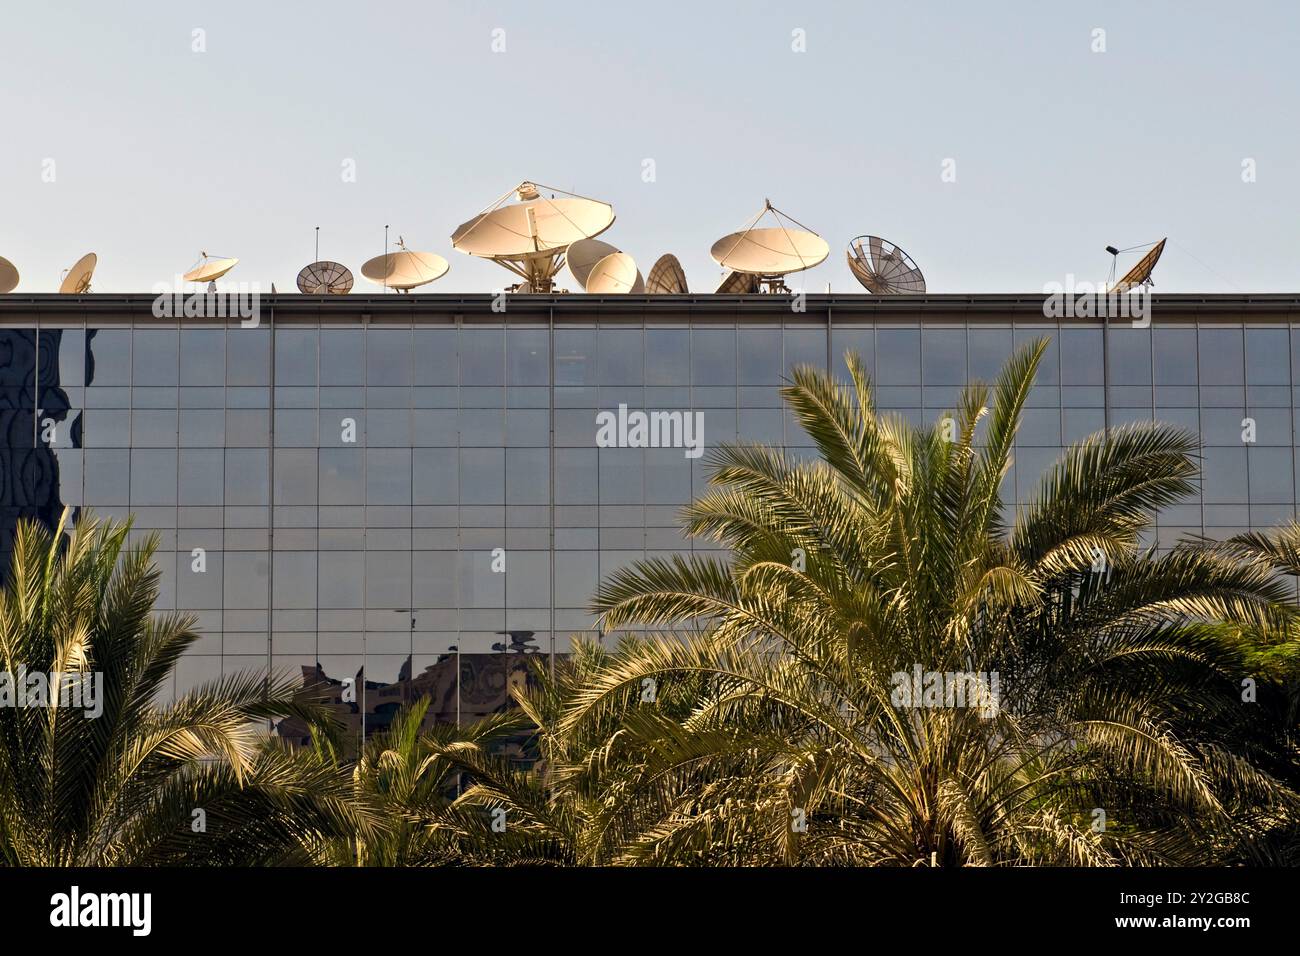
(386, 264)
(317, 259)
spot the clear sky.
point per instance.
(159, 151)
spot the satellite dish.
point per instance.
(883, 268)
(582, 255)
(8, 276)
(771, 252)
(1140, 274)
(209, 269)
(737, 283)
(530, 237)
(593, 261)
(666, 277)
(325, 278)
(404, 270)
(77, 281)
(614, 275)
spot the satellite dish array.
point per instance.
(534, 236)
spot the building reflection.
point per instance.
(29, 470)
(461, 688)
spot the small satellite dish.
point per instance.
(77, 280)
(737, 283)
(8, 276)
(325, 278)
(771, 252)
(614, 275)
(1140, 274)
(209, 269)
(884, 268)
(666, 277)
(582, 255)
(530, 237)
(405, 270)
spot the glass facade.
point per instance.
(409, 494)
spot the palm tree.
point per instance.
(1115, 733)
(141, 782)
(1273, 658)
(595, 797)
(412, 779)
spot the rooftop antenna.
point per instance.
(883, 268)
(324, 276)
(599, 267)
(405, 269)
(667, 277)
(1140, 274)
(76, 281)
(209, 269)
(530, 237)
(767, 255)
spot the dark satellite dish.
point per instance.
(1140, 274)
(325, 278)
(884, 268)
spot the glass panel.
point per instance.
(296, 356)
(898, 356)
(759, 356)
(388, 357)
(1222, 361)
(621, 356)
(1083, 351)
(1268, 357)
(1130, 356)
(203, 357)
(944, 356)
(713, 357)
(435, 357)
(575, 357)
(108, 358)
(1175, 356)
(989, 351)
(528, 356)
(482, 357)
(804, 347)
(155, 357)
(342, 357)
(667, 357)
(248, 357)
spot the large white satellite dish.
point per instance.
(529, 237)
(770, 252)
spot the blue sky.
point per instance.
(159, 151)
